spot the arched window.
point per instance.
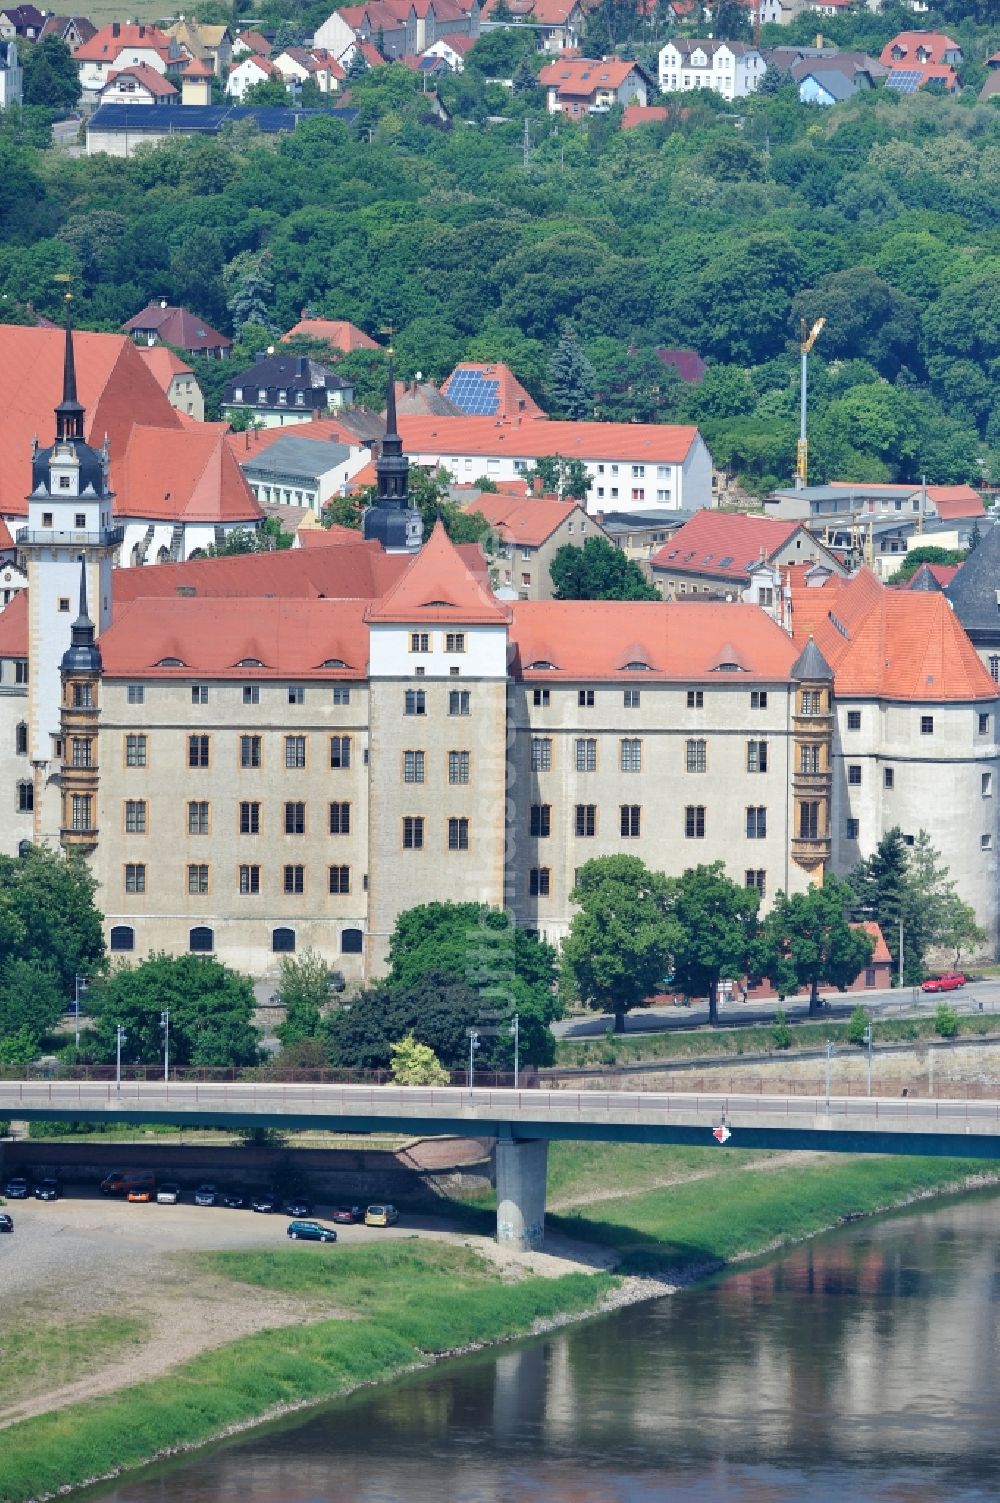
(170, 663)
(21, 739)
(249, 663)
(351, 941)
(283, 941)
(201, 940)
(122, 938)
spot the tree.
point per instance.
(929, 555)
(48, 917)
(717, 924)
(211, 1012)
(882, 892)
(857, 1026)
(249, 290)
(866, 319)
(51, 76)
(269, 91)
(566, 478)
(31, 1002)
(908, 886)
(945, 1020)
(357, 67)
(438, 1005)
(598, 571)
(808, 940)
(269, 537)
(631, 384)
(416, 1064)
(571, 379)
(621, 941)
(304, 990)
(342, 511)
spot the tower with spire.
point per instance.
(70, 524)
(80, 672)
(392, 521)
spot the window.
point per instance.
(249, 879)
(25, 798)
(586, 820)
(631, 754)
(122, 938)
(985, 842)
(585, 698)
(81, 748)
(136, 694)
(454, 641)
(808, 821)
(415, 702)
(341, 694)
(758, 699)
(340, 751)
(852, 829)
(540, 696)
(586, 754)
(927, 725)
(249, 818)
(413, 833)
(986, 784)
(694, 822)
(541, 753)
(340, 819)
(135, 816)
(695, 699)
(340, 879)
(283, 941)
(538, 882)
(135, 751)
(632, 699)
(135, 877)
(458, 834)
(458, 767)
(197, 879)
(295, 751)
(854, 774)
(294, 879)
(295, 819)
(631, 820)
(756, 822)
(20, 670)
(80, 811)
(756, 756)
(888, 777)
(251, 694)
(812, 701)
(352, 942)
(541, 821)
(47, 518)
(696, 755)
(459, 701)
(756, 878)
(420, 641)
(83, 697)
(854, 720)
(198, 751)
(199, 694)
(995, 667)
(984, 725)
(413, 767)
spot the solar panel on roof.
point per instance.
(903, 81)
(473, 392)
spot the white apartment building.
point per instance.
(732, 69)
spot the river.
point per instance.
(861, 1368)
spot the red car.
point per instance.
(949, 983)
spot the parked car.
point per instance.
(140, 1194)
(297, 1205)
(17, 1188)
(6, 1222)
(265, 1203)
(233, 1200)
(206, 1195)
(310, 1231)
(950, 982)
(347, 1214)
(48, 1189)
(121, 1181)
(381, 1215)
(168, 1194)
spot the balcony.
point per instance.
(810, 850)
(78, 840)
(50, 537)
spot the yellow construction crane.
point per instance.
(808, 339)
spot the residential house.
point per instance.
(139, 84)
(297, 65)
(162, 323)
(732, 69)
(73, 30)
(118, 130)
(827, 83)
(640, 534)
(726, 556)
(991, 88)
(644, 114)
(532, 529)
(917, 58)
(176, 380)
(208, 44)
(489, 390)
(398, 28)
(250, 42)
(11, 74)
(688, 364)
(278, 390)
(337, 332)
(641, 464)
(453, 48)
(249, 70)
(22, 21)
(558, 24)
(124, 44)
(579, 86)
(305, 466)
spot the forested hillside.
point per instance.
(704, 233)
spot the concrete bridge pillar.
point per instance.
(521, 1169)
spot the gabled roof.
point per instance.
(932, 577)
(336, 331)
(255, 41)
(14, 627)
(335, 536)
(687, 363)
(163, 363)
(59, 25)
(187, 476)
(147, 76)
(527, 522)
(438, 586)
(177, 326)
(534, 438)
(358, 572)
(489, 390)
(956, 501)
(457, 41)
(909, 42)
(722, 544)
(973, 591)
(291, 372)
(581, 77)
(121, 36)
(319, 430)
(685, 46)
(643, 114)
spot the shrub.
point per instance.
(946, 1020)
(857, 1027)
(781, 1034)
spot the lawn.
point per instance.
(39, 1356)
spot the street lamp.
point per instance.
(473, 1046)
(830, 1051)
(165, 1025)
(515, 1029)
(120, 1037)
(80, 985)
(867, 1038)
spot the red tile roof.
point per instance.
(438, 586)
(6, 541)
(197, 68)
(514, 399)
(163, 363)
(358, 572)
(155, 83)
(530, 522)
(579, 78)
(255, 42)
(14, 627)
(956, 501)
(458, 42)
(189, 476)
(327, 537)
(597, 639)
(942, 573)
(322, 430)
(121, 36)
(644, 114)
(177, 326)
(890, 644)
(723, 544)
(535, 438)
(936, 43)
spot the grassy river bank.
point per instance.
(403, 1304)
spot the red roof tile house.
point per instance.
(580, 86)
(336, 332)
(531, 531)
(917, 58)
(139, 84)
(250, 70)
(736, 556)
(124, 44)
(160, 323)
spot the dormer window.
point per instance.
(170, 663)
(333, 663)
(64, 482)
(637, 667)
(728, 668)
(249, 663)
(543, 664)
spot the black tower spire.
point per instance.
(83, 655)
(69, 413)
(393, 521)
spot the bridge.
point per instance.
(524, 1122)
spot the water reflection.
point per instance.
(862, 1367)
